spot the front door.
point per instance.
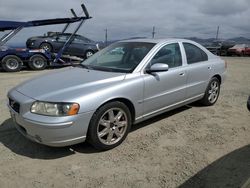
(163, 89)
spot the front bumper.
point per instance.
(51, 131)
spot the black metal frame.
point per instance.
(16, 27)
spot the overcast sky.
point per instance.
(135, 18)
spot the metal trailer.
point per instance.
(13, 59)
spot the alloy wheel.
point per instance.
(89, 54)
(213, 91)
(112, 126)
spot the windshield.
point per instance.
(119, 57)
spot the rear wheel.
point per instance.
(12, 63)
(89, 53)
(109, 126)
(37, 62)
(212, 92)
(46, 46)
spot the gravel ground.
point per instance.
(192, 146)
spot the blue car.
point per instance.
(54, 41)
(12, 59)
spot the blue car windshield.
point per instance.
(119, 57)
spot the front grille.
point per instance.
(14, 105)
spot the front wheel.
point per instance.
(109, 126)
(46, 46)
(212, 92)
(37, 62)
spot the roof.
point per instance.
(157, 41)
(160, 42)
(10, 25)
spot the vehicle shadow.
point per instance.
(159, 118)
(231, 170)
(20, 145)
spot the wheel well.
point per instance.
(89, 50)
(218, 77)
(20, 58)
(128, 103)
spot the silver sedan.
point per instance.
(123, 84)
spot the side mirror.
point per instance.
(158, 67)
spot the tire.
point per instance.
(88, 54)
(37, 62)
(11, 63)
(46, 46)
(212, 93)
(109, 126)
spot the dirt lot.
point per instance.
(192, 146)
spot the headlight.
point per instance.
(55, 109)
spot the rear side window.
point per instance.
(194, 54)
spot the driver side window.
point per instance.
(170, 55)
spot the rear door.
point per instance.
(79, 46)
(198, 70)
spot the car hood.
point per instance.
(68, 83)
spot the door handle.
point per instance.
(209, 68)
(182, 74)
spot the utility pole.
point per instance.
(106, 37)
(153, 32)
(217, 33)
